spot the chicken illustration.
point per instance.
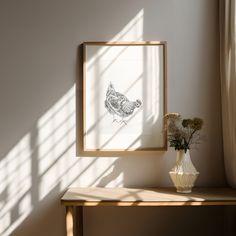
(118, 105)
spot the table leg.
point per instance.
(79, 221)
(70, 221)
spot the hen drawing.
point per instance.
(118, 105)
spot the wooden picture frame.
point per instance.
(124, 97)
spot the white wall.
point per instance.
(39, 66)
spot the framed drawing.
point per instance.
(124, 96)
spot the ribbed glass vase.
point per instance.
(183, 174)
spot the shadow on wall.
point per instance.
(35, 170)
(37, 155)
(42, 164)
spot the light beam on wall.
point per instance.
(44, 160)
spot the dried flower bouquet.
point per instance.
(182, 133)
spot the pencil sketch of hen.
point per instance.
(119, 105)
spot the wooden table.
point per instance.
(77, 198)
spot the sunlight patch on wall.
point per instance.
(15, 179)
(43, 162)
(133, 30)
(56, 143)
(37, 164)
(102, 171)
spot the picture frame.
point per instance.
(124, 97)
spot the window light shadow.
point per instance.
(118, 131)
(133, 29)
(41, 165)
(21, 182)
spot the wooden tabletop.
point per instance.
(95, 196)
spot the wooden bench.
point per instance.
(77, 198)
